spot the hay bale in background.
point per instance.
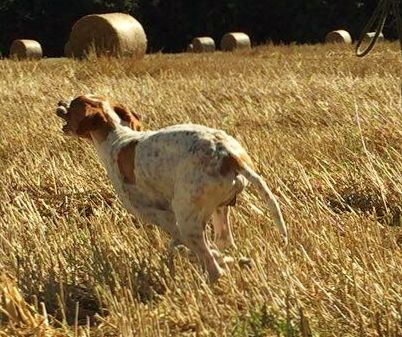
(338, 36)
(203, 44)
(369, 36)
(232, 41)
(26, 49)
(67, 50)
(112, 34)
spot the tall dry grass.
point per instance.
(324, 129)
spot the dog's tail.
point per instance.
(243, 165)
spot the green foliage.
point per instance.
(261, 323)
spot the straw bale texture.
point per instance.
(232, 41)
(26, 49)
(338, 36)
(112, 34)
(203, 44)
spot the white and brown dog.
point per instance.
(177, 177)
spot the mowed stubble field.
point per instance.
(324, 129)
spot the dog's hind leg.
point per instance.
(191, 223)
(223, 237)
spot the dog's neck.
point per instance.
(109, 140)
(111, 128)
(99, 136)
(108, 144)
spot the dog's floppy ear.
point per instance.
(90, 123)
(88, 114)
(127, 116)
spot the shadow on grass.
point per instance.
(388, 212)
(262, 322)
(81, 303)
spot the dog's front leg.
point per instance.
(165, 219)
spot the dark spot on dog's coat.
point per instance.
(125, 162)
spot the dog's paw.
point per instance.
(215, 274)
(228, 259)
(222, 258)
(245, 262)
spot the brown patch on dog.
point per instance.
(125, 162)
(232, 202)
(90, 123)
(128, 116)
(85, 115)
(234, 163)
(229, 163)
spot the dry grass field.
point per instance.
(324, 128)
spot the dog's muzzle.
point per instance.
(61, 110)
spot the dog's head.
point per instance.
(89, 113)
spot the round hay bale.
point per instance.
(190, 48)
(112, 34)
(67, 50)
(203, 44)
(369, 36)
(338, 36)
(26, 49)
(232, 41)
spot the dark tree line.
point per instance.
(171, 24)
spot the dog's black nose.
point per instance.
(61, 111)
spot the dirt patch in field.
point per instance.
(367, 200)
(71, 302)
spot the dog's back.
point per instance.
(187, 149)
